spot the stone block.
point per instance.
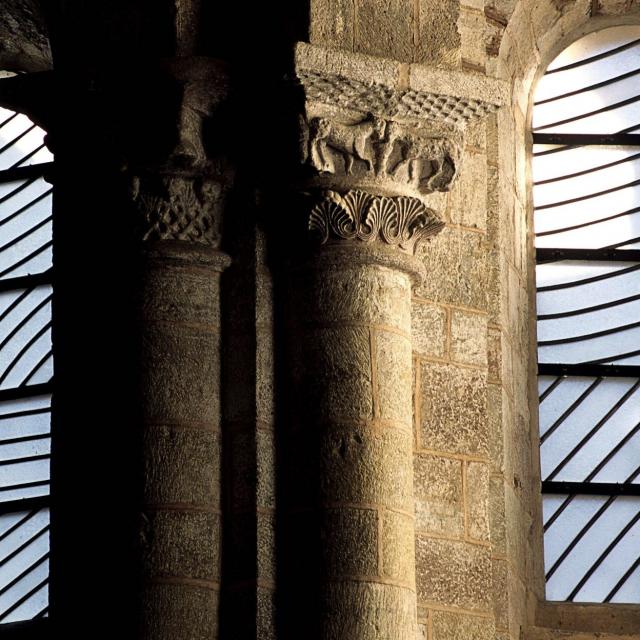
(499, 421)
(343, 558)
(394, 374)
(184, 544)
(334, 374)
(173, 611)
(438, 494)
(468, 201)
(366, 294)
(494, 354)
(471, 25)
(331, 23)
(458, 626)
(266, 614)
(453, 574)
(369, 611)
(362, 466)
(398, 547)
(439, 41)
(429, 332)
(264, 378)
(266, 469)
(181, 377)
(468, 338)
(453, 409)
(181, 466)
(501, 593)
(478, 500)
(385, 28)
(497, 524)
(456, 264)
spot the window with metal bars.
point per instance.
(26, 367)
(586, 173)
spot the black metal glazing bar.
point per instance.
(24, 545)
(588, 114)
(585, 172)
(586, 393)
(601, 558)
(11, 461)
(591, 488)
(25, 485)
(23, 574)
(599, 56)
(617, 356)
(18, 189)
(598, 85)
(598, 278)
(589, 336)
(620, 139)
(26, 392)
(36, 336)
(26, 293)
(26, 259)
(27, 281)
(544, 255)
(596, 307)
(585, 224)
(591, 370)
(22, 414)
(588, 196)
(32, 171)
(32, 438)
(547, 392)
(13, 116)
(33, 504)
(561, 465)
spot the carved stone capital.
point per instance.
(178, 207)
(377, 153)
(358, 216)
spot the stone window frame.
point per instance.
(607, 618)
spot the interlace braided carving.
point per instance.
(398, 221)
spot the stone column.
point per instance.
(180, 393)
(351, 441)
(179, 203)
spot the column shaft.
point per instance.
(180, 393)
(351, 490)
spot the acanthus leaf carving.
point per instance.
(402, 221)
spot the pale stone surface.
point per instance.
(384, 28)
(439, 40)
(456, 261)
(368, 467)
(468, 338)
(429, 329)
(341, 527)
(497, 523)
(393, 362)
(457, 626)
(478, 500)
(398, 547)
(455, 574)
(467, 201)
(494, 354)
(438, 491)
(336, 366)
(352, 294)
(453, 409)
(369, 611)
(501, 593)
(471, 25)
(331, 23)
(266, 469)
(266, 546)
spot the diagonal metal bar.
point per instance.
(24, 350)
(26, 259)
(24, 598)
(622, 580)
(599, 56)
(547, 392)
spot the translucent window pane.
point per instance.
(21, 141)
(576, 548)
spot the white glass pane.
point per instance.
(560, 399)
(20, 137)
(590, 547)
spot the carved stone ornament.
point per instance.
(380, 152)
(176, 207)
(402, 222)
